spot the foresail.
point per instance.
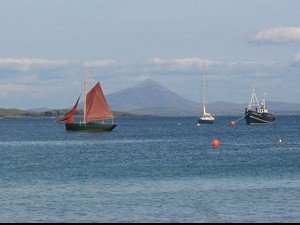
(96, 105)
(69, 116)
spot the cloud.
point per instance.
(34, 63)
(163, 69)
(34, 71)
(6, 90)
(216, 69)
(39, 85)
(100, 64)
(180, 63)
(296, 60)
(228, 80)
(280, 35)
(297, 56)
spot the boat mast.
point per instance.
(253, 100)
(203, 90)
(84, 95)
(263, 103)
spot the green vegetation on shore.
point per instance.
(18, 113)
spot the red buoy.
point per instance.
(232, 123)
(215, 143)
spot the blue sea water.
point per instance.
(152, 169)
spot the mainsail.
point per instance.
(96, 105)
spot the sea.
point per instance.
(150, 169)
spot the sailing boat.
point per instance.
(206, 118)
(95, 112)
(260, 114)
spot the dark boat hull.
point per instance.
(89, 127)
(253, 117)
(201, 121)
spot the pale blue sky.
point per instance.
(45, 43)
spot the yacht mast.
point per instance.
(84, 95)
(203, 90)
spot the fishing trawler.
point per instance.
(258, 113)
(95, 112)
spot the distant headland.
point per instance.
(18, 113)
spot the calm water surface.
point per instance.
(150, 170)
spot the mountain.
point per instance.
(225, 108)
(277, 108)
(284, 108)
(11, 112)
(149, 97)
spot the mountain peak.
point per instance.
(148, 94)
(148, 83)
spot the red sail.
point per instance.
(96, 105)
(69, 116)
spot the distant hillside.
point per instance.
(46, 112)
(225, 108)
(11, 112)
(151, 98)
(278, 108)
(165, 111)
(32, 113)
(284, 107)
(38, 110)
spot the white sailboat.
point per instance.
(205, 118)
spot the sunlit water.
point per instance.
(150, 170)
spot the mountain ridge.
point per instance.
(151, 98)
(147, 94)
(141, 99)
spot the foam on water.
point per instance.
(77, 143)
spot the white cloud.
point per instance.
(100, 64)
(186, 62)
(57, 88)
(297, 57)
(27, 64)
(295, 63)
(280, 35)
(6, 90)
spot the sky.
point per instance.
(47, 46)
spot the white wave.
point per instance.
(78, 143)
